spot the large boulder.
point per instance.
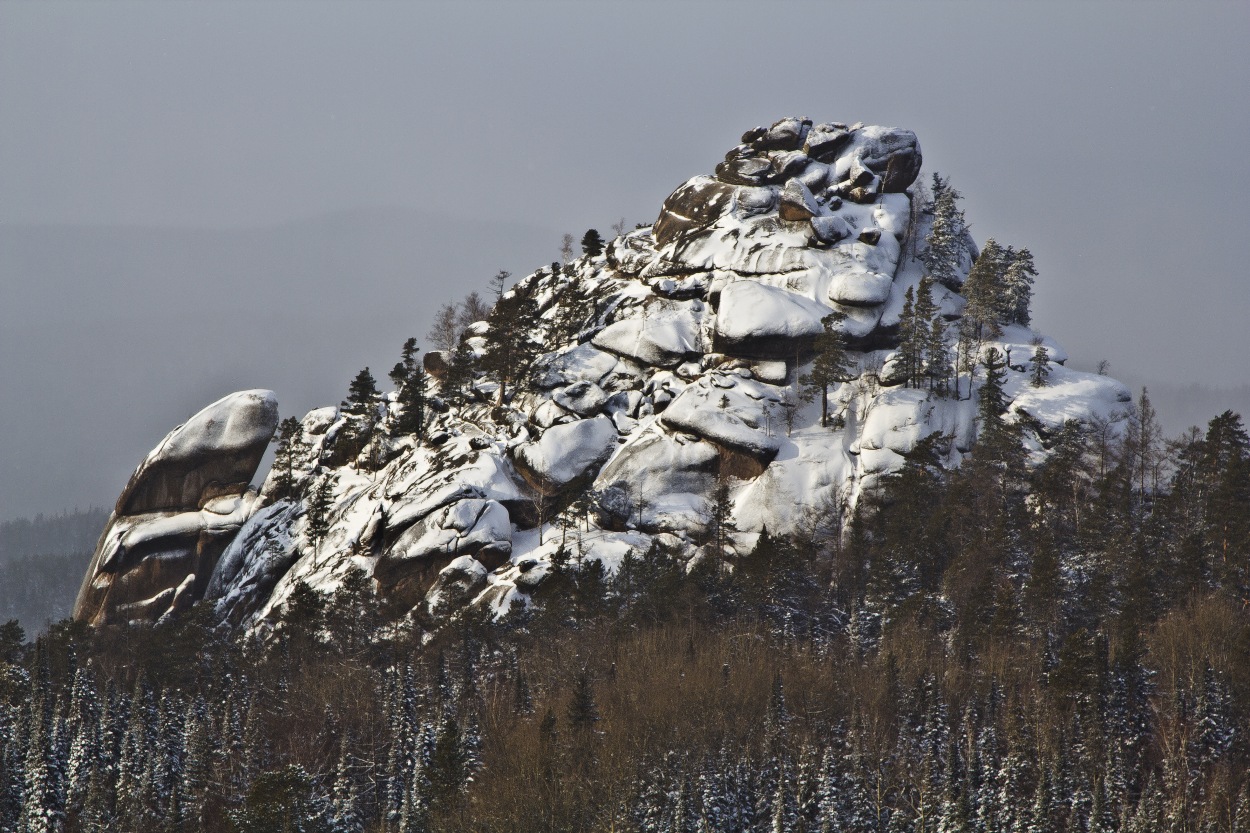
(179, 511)
(694, 206)
(893, 153)
(566, 453)
(471, 527)
(214, 453)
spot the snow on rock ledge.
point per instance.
(181, 508)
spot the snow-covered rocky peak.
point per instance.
(811, 217)
(667, 407)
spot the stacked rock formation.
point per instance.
(671, 401)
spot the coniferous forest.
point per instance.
(992, 648)
(41, 562)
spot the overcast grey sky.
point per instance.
(202, 197)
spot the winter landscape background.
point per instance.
(202, 198)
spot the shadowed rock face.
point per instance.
(178, 512)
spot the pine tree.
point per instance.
(1224, 495)
(945, 241)
(317, 521)
(291, 451)
(1018, 287)
(592, 243)
(583, 712)
(510, 347)
(362, 395)
(832, 363)
(1040, 364)
(413, 391)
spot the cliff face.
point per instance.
(182, 506)
(667, 389)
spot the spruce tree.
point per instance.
(583, 711)
(945, 241)
(1018, 287)
(320, 505)
(283, 801)
(984, 291)
(908, 356)
(832, 363)
(937, 359)
(457, 381)
(924, 314)
(291, 451)
(413, 391)
(362, 395)
(1039, 364)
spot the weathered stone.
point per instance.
(830, 229)
(796, 202)
(753, 134)
(214, 453)
(582, 398)
(824, 141)
(789, 163)
(456, 584)
(746, 170)
(893, 153)
(179, 511)
(565, 454)
(435, 363)
(786, 134)
(695, 205)
(871, 236)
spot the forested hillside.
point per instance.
(991, 648)
(41, 564)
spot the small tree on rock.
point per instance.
(592, 243)
(945, 242)
(832, 363)
(410, 377)
(362, 395)
(510, 342)
(1040, 364)
(320, 504)
(291, 448)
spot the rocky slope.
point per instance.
(673, 390)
